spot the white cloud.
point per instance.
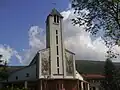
(75, 39)
(7, 52)
(36, 42)
(80, 42)
(36, 37)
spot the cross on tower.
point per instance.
(54, 4)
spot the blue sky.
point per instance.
(16, 19)
(17, 16)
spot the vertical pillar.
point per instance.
(26, 84)
(41, 85)
(78, 84)
(81, 85)
(88, 86)
(97, 88)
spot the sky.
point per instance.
(17, 16)
(22, 31)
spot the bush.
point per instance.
(13, 88)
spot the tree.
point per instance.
(3, 69)
(0, 58)
(13, 88)
(117, 79)
(109, 70)
(112, 76)
(103, 15)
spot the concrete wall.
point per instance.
(21, 74)
(51, 28)
(51, 32)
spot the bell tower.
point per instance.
(54, 41)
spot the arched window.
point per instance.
(16, 77)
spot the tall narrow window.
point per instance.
(27, 74)
(57, 50)
(56, 31)
(16, 77)
(58, 70)
(56, 39)
(55, 18)
(57, 61)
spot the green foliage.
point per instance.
(13, 88)
(3, 69)
(103, 15)
(3, 72)
(109, 70)
(112, 76)
(4, 75)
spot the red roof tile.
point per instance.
(93, 76)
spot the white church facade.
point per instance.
(52, 68)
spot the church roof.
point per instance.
(14, 68)
(93, 76)
(78, 76)
(55, 12)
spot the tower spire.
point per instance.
(55, 12)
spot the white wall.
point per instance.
(21, 74)
(52, 30)
(51, 42)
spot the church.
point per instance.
(52, 68)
